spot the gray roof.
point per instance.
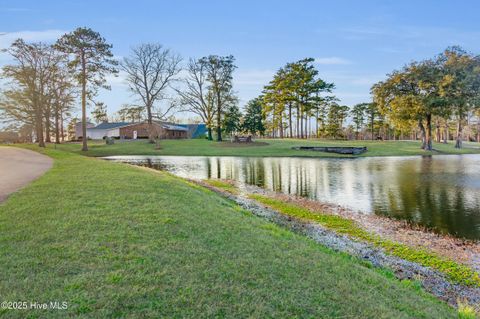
(172, 127)
(107, 126)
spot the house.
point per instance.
(78, 129)
(101, 130)
(138, 130)
(142, 130)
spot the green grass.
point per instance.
(202, 147)
(227, 187)
(116, 241)
(455, 271)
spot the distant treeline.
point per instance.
(436, 98)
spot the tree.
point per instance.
(91, 61)
(99, 114)
(71, 127)
(413, 94)
(130, 113)
(372, 112)
(232, 119)
(307, 89)
(150, 71)
(253, 119)
(63, 97)
(295, 86)
(336, 116)
(460, 84)
(219, 72)
(28, 99)
(358, 117)
(196, 96)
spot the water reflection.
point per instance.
(441, 192)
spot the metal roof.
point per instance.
(107, 126)
(172, 127)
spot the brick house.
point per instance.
(141, 130)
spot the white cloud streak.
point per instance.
(6, 38)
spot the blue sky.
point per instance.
(355, 43)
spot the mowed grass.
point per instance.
(275, 147)
(456, 272)
(116, 241)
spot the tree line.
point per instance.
(433, 92)
(45, 81)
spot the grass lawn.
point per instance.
(275, 147)
(126, 242)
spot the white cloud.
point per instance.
(6, 38)
(332, 61)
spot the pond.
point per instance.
(441, 193)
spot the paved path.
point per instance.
(19, 167)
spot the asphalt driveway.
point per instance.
(19, 167)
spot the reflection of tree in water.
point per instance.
(439, 194)
(417, 196)
(276, 172)
(255, 172)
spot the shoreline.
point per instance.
(461, 250)
(430, 279)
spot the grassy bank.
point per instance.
(119, 241)
(202, 147)
(456, 272)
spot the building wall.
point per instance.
(78, 129)
(174, 135)
(141, 128)
(115, 132)
(96, 134)
(143, 131)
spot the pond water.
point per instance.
(441, 192)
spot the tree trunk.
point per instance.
(39, 129)
(219, 123)
(428, 142)
(446, 133)
(438, 131)
(301, 124)
(298, 122)
(47, 127)
(57, 128)
(210, 137)
(290, 119)
(281, 127)
(84, 104)
(422, 131)
(61, 127)
(371, 128)
(458, 142)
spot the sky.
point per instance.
(354, 43)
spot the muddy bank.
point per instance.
(433, 281)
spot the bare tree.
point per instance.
(28, 98)
(196, 97)
(150, 70)
(62, 96)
